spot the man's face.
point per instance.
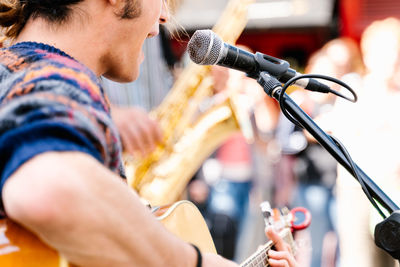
(129, 35)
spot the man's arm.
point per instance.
(91, 216)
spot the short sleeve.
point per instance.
(22, 144)
(51, 102)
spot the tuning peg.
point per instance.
(301, 218)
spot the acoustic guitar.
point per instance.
(19, 247)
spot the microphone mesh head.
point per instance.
(205, 47)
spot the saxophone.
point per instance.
(189, 137)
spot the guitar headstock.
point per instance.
(296, 219)
(285, 221)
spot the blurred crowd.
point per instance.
(282, 163)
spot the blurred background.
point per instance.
(290, 28)
(267, 158)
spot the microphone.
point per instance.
(207, 48)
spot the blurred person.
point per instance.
(60, 149)
(339, 58)
(369, 132)
(265, 156)
(346, 57)
(228, 195)
(225, 183)
(318, 173)
(238, 164)
(314, 167)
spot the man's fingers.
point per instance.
(131, 141)
(139, 133)
(276, 239)
(282, 256)
(278, 263)
(150, 133)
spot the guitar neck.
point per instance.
(260, 257)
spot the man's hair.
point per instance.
(130, 10)
(15, 13)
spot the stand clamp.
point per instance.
(269, 83)
(387, 234)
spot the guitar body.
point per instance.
(19, 247)
(185, 221)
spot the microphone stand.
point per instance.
(387, 233)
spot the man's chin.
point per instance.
(120, 78)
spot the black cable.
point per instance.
(356, 174)
(315, 76)
(337, 142)
(328, 78)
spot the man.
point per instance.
(60, 151)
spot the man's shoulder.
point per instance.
(25, 70)
(34, 57)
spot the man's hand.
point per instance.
(283, 257)
(139, 133)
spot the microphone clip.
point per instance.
(276, 67)
(269, 83)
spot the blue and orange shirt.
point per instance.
(51, 102)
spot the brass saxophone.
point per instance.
(161, 177)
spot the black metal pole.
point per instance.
(387, 232)
(326, 141)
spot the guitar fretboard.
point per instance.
(260, 257)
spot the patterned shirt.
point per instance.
(51, 102)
